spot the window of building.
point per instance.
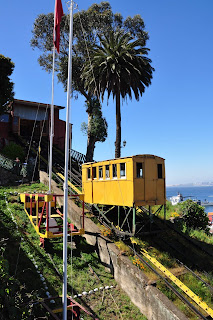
(139, 170)
(88, 173)
(122, 170)
(100, 172)
(94, 176)
(4, 118)
(107, 171)
(114, 170)
(160, 171)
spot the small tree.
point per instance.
(6, 85)
(194, 215)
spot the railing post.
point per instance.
(83, 215)
(47, 216)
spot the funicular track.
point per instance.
(163, 242)
(163, 273)
(168, 278)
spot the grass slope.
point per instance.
(28, 273)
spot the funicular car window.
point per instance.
(114, 170)
(122, 170)
(139, 169)
(94, 176)
(107, 171)
(100, 172)
(88, 173)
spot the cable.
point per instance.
(32, 133)
(41, 134)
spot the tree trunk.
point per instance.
(90, 141)
(90, 149)
(118, 127)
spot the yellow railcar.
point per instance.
(131, 181)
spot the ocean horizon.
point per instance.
(203, 193)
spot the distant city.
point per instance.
(195, 184)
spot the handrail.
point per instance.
(6, 163)
(13, 166)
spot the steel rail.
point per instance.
(180, 284)
(169, 285)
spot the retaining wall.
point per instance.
(151, 302)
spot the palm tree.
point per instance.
(119, 66)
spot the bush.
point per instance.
(13, 150)
(194, 215)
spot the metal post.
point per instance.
(39, 159)
(118, 216)
(133, 221)
(150, 213)
(37, 209)
(83, 216)
(47, 216)
(52, 123)
(51, 133)
(69, 82)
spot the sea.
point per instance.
(203, 193)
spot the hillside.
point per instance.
(28, 273)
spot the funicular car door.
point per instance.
(150, 180)
(139, 180)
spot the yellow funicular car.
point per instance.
(135, 181)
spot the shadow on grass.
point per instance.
(195, 254)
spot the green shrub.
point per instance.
(193, 215)
(14, 150)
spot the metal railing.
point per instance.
(6, 163)
(13, 166)
(77, 156)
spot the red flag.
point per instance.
(58, 14)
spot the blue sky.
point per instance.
(174, 117)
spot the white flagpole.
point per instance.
(69, 84)
(52, 122)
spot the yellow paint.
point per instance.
(125, 190)
(41, 203)
(72, 186)
(180, 284)
(34, 218)
(22, 197)
(59, 310)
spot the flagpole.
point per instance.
(52, 122)
(58, 13)
(51, 131)
(69, 84)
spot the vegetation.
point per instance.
(193, 215)
(190, 218)
(96, 129)
(88, 26)
(119, 66)
(20, 254)
(156, 247)
(6, 85)
(21, 260)
(13, 151)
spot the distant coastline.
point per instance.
(197, 184)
